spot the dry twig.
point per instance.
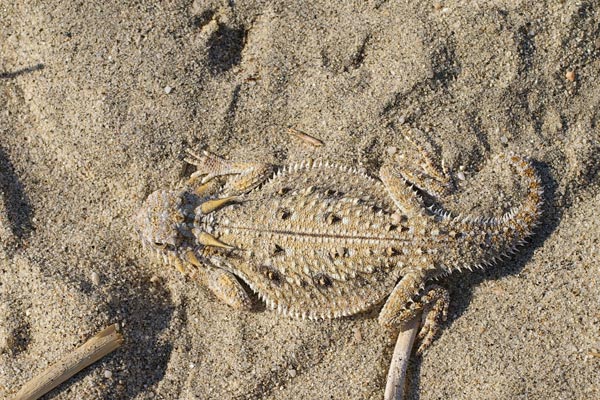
(394, 388)
(305, 137)
(88, 353)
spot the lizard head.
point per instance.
(173, 224)
(164, 222)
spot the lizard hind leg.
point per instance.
(436, 300)
(410, 299)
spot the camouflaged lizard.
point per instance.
(318, 240)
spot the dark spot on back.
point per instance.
(361, 281)
(283, 191)
(270, 273)
(488, 238)
(277, 249)
(340, 252)
(322, 280)
(331, 218)
(392, 251)
(284, 213)
(333, 194)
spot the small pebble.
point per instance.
(154, 279)
(357, 336)
(503, 139)
(168, 89)
(292, 373)
(460, 175)
(95, 278)
(108, 374)
(7, 342)
(391, 150)
(570, 75)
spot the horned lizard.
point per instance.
(318, 240)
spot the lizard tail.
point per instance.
(480, 241)
(522, 220)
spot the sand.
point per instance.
(98, 101)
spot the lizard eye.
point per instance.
(165, 246)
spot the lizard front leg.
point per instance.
(246, 176)
(228, 289)
(222, 283)
(415, 169)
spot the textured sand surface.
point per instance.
(99, 100)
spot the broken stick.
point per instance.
(88, 353)
(305, 137)
(394, 388)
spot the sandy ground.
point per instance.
(99, 100)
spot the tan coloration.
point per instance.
(316, 240)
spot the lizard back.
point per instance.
(315, 240)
